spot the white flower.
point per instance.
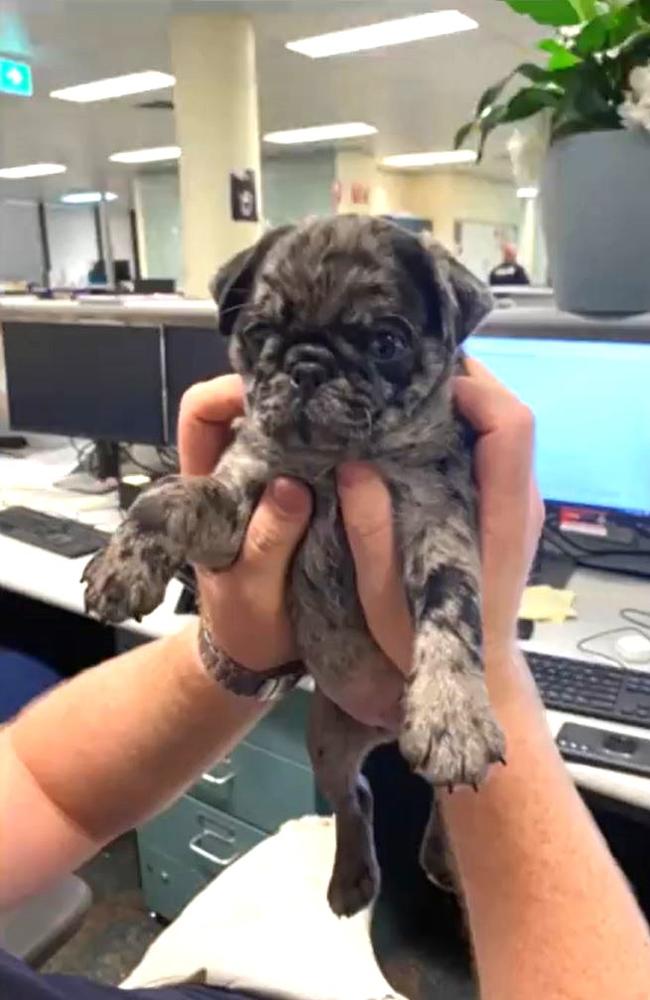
(635, 109)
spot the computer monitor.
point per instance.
(591, 401)
(122, 270)
(154, 286)
(192, 354)
(89, 380)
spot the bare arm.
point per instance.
(109, 748)
(550, 914)
(105, 751)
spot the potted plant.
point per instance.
(593, 98)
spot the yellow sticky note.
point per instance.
(546, 604)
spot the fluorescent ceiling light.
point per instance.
(152, 155)
(88, 197)
(435, 159)
(383, 33)
(115, 86)
(527, 192)
(320, 133)
(32, 170)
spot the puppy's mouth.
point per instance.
(328, 413)
(333, 412)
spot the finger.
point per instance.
(277, 525)
(476, 369)
(368, 518)
(504, 452)
(206, 412)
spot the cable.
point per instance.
(582, 644)
(628, 614)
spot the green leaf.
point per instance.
(585, 9)
(488, 125)
(491, 94)
(555, 12)
(463, 133)
(624, 22)
(561, 57)
(594, 37)
(644, 9)
(537, 74)
(528, 102)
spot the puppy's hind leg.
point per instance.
(435, 854)
(338, 745)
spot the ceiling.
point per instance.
(416, 94)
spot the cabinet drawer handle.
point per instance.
(221, 779)
(196, 848)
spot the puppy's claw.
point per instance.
(450, 788)
(475, 786)
(502, 760)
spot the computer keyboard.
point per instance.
(61, 535)
(594, 689)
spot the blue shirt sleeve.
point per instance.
(19, 982)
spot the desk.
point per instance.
(56, 581)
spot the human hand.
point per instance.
(244, 606)
(510, 513)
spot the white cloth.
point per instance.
(264, 926)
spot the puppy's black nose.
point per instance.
(308, 375)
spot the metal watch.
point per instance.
(263, 685)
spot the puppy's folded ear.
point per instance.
(232, 284)
(465, 298)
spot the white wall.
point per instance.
(297, 186)
(20, 246)
(158, 209)
(73, 243)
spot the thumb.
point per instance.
(368, 518)
(277, 525)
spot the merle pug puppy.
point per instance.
(346, 332)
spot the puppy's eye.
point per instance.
(388, 345)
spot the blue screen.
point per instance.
(591, 401)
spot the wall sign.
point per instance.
(243, 196)
(16, 78)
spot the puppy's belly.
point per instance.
(350, 669)
(370, 692)
(331, 630)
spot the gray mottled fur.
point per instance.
(309, 310)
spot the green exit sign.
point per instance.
(15, 78)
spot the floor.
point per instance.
(118, 929)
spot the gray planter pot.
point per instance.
(596, 214)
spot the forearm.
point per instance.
(106, 750)
(550, 913)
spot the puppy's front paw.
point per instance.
(448, 733)
(126, 580)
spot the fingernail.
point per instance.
(289, 496)
(353, 474)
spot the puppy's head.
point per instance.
(342, 327)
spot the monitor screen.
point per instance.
(192, 354)
(592, 407)
(85, 380)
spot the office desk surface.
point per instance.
(599, 599)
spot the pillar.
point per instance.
(213, 59)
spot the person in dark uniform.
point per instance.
(509, 271)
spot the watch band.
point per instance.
(263, 685)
